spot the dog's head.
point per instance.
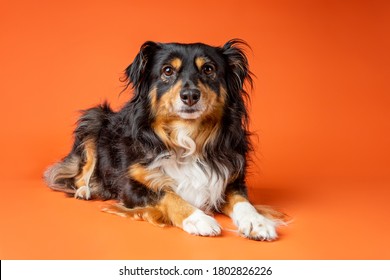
(190, 81)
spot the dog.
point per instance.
(178, 150)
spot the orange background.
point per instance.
(320, 108)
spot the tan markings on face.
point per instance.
(202, 130)
(163, 110)
(90, 161)
(199, 62)
(165, 105)
(176, 63)
(214, 102)
(209, 123)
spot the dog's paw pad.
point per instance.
(198, 223)
(83, 192)
(253, 225)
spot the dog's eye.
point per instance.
(208, 69)
(168, 71)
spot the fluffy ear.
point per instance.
(137, 71)
(234, 54)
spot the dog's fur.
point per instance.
(178, 149)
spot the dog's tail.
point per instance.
(61, 175)
(78, 166)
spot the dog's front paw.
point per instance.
(83, 192)
(198, 223)
(253, 225)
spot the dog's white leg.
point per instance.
(251, 224)
(198, 223)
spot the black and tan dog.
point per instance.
(178, 149)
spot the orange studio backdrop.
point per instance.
(320, 109)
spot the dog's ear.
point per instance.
(138, 70)
(237, 61)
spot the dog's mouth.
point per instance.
(189, 113)
(189, 110)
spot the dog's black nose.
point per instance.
(190, 96)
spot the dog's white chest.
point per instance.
(195, 181)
